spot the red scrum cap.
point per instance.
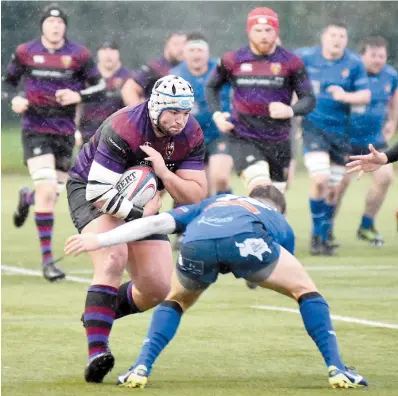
(262, 15)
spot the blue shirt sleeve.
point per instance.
(225, 98)
(360, 80)
(394, 84)
(290, 241)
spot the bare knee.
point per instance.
(384, 177)
(152, 288)
(45, 195)
(320, 185)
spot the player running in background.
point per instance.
(246, 236)
(264, 77)
(57, 73)
(374, 124)
(144, 79)
(339, 81)
(159, 132)
(116, 95)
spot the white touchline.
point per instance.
(334, 317)
(350, 267)
(29, 272)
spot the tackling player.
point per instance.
(159, 132)
(264, 77)
(143, 81)
(246, 236)
(374, 124)
(116, 93)
(58, 73)
(339, 81)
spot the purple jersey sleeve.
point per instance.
(196, 157)
(15, 71)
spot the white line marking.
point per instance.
(29, 272)
(350, 267)
(334, 317)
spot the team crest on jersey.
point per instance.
(117, 82)
(169, 149)
(387, 88)
(276, 68)
(222, 146)
(66, 60)
(345, 73)
(246, 67)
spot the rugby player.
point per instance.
(116, 93)
(264, 77)
(247, 236)
(141, 85)
(339, 80)
(160, 133)
(374, 124)
(58, 73)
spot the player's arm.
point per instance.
(290, 241)
(189, 183)
(306, 100)
(391, 124)
(11, 80)
(132, 93)
(108, 166)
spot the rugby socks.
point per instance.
(327, 222)
(29, 197)
(164, 325)
(99, 315)
(224, 192)
(45, 224)
(318, 215)
(125, 304)
(367, 222)
(316, 317)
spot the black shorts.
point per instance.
(83, 212)
(356, 149)
(38, 144)
(217, 146)
(246, 152)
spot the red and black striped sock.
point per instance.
(125, 303)
(45, 224)
(99, 315)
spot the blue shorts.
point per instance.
(362, 150)
(245, 255)
(315, 139)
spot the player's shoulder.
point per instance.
(124, 72)
(230, 58)
(390, 70)
(193, 132)
(306, 52)
(178, 70)
(29, 46)
(353, 56)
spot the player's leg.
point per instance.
(196, 270)
(101, 300)
(381, 181)
(290, 278)
(219, 167)
(317, 162)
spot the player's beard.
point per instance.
(265, 47)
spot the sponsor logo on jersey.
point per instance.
(246, 67)
(38, 58)
(66, 60)
(254, 247)
(345, 73)
(276, 68)
(169, 149)
(186, 103)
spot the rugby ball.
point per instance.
(138, 184)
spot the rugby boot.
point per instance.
(133, 378)
(332, 240)
(347, 378)
(99, 366)
(370, 235)
(316, 245)
(251, 285)
(22, 211)
(52, 272)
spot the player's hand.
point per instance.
(389, 130)
(367, 163)
(66, 97)
(220, 119)
(153, 206)
(77, 244)
(158, 164)
(280, 111)
(337, 92)
(19, 104)
(78, 138)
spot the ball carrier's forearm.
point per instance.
(392, 154)
(138, 229)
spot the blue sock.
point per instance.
(164, 325)
(318, 213)
(316, 317)
(367, 222)
(327, 221)
(229, 191)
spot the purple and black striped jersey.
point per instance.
(257, 81)
(150, 73)
(44, 72)
(95, 112)
(116, 144)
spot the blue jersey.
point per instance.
(366, 121)
(201, 110)
(226, 215)
(347, 72)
